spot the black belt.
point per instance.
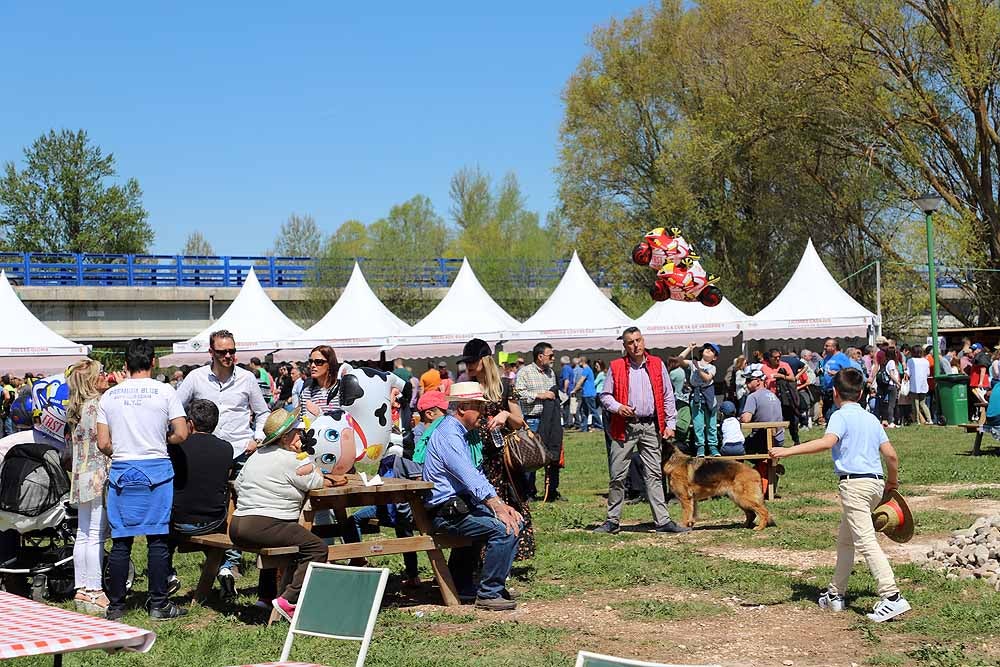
(866, 475)
(644, 420)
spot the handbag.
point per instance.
(904, 387)
(524, 450)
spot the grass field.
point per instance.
(718, 594)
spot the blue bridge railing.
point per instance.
(98, 270)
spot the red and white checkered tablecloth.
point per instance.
(32, 628)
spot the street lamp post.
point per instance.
(929, 204)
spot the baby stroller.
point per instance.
(34, 505)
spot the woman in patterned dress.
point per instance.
(90, 471)
(501, 415)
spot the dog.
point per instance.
(694, 479)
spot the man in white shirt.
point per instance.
(919, 370)
(136, 419)
(237, 394)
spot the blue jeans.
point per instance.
(706, 429)
(234, 556)
(403, 526)
(588, 408)
(8, 426)
(158, 568)
(501, 547)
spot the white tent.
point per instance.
(812, 305)
(358, 326)
(676, 323)
(577, 316)
(466, 311)
(257, 324)
(26, 344)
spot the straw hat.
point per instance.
(893, 518)
(465, 391)
(279, 423)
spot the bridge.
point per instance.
(106, 298)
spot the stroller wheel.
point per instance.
(129, 579)
(39, 584)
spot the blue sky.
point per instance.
(233, 116)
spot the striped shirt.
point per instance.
(327, 400)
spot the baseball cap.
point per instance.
(475, 349)
(714, 347)
(432, 399)
(442, 364)
(977, 346)
(755, 372)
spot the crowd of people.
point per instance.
(155, 457)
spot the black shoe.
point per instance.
(609, 527)
(173, 585)
(114, 613)
(227, 586)
(672, 527)
(167, 611)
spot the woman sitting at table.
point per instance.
(270, 492)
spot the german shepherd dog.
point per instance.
(694, 479)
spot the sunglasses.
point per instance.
(231, 352)
(318, 362)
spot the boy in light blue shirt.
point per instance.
(858, 443)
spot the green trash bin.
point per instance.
(953, 397)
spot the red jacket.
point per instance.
(619, 373)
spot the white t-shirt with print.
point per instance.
(138, 413)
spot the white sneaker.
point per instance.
(828, 602)
(886, 609)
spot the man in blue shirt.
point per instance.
(463, 502)
(833, 361)
(588, 396)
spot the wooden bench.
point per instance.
(979, 430)
(215, 545)
(770, 467)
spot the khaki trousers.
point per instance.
(858, 497)
(646, 439)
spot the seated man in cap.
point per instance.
(463, 502)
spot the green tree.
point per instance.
(197, 245)
(505, 243)
(755, 124)
(61, 200)
(299, 236)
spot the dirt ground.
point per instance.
(742, 634)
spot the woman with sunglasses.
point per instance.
(320, 392)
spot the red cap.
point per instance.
(433, 399)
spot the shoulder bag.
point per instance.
(524, 450)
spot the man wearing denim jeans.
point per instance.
(242, 413)
(463, 502)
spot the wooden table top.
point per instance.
(354, 485)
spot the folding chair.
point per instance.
(587, 659)
(339, 602)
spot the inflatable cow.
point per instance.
(363, 426)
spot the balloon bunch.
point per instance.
(679, 274)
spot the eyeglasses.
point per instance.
(231, 352)
(318, 362)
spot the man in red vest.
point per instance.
(640, 400)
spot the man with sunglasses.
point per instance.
(236, 393)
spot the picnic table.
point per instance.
(392, 490)
(763, 460)
(33, 628)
